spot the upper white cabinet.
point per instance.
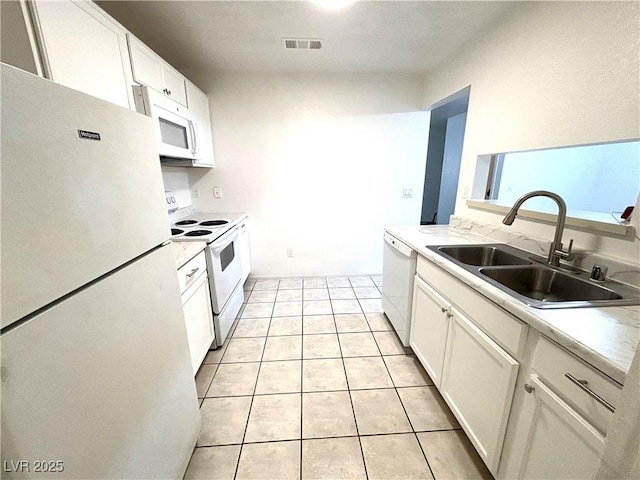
(198, 105)
(151, 70)
(83, 48)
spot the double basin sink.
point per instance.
(527, 278)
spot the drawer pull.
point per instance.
(583, 386)
(192, 273)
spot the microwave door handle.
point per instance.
(194, 137)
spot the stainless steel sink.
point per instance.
(548, 285)
(483, 255)
(520, 275)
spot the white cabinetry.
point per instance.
(196, 304)
(151, 70)
(560, 428)
(243, 246)
(508, 385)
(429, 327)
(470, 348)
(478, 380)
(84, 49)
(198, 104)
(556, 442)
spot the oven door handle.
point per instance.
(227, 238)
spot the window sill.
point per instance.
(601, 222)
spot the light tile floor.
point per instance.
(313, 383)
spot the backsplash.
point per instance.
(621, 271)
(176, 179)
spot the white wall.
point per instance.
(451, 167)
(552, 74)
(318, 161)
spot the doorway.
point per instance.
(444, 153)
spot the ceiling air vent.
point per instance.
(302, 43)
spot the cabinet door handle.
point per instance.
(168, 92)
(582, 384)
(529, 388)
(192, 273)
(444, 309)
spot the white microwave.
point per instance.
(176, 132)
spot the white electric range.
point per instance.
(223, 233)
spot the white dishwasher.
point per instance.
(398, 270)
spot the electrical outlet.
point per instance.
(407, 193)
(196, 192)
(465, 191)
(289, 252)
(217, 192)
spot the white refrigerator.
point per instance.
(96, 373)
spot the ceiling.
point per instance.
(366, 36)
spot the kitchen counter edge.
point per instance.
(185, 251)
(605, 337)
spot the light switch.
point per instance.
(196, 192)
(217, 192)
(407, 193)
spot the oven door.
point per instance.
(225, 269)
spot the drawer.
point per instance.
(553, 363)
(503, 328)
(192, 270)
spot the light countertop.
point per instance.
(185, 251)
(605, 337)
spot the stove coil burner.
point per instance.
(197, 233)
(213, 223)
(176, 231)
(186, 222)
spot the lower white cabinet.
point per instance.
(478, 381)
(560, 426)
(553, 440)
(245, 251)
(474, 351)
(196, 304)
(429, 327)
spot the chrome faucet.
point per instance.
(556, 253)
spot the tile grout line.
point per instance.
(328, 437)
(413, 430)
(246, 426)
(262, 360)
(301, 378)
(353, 410)
(210, 383)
